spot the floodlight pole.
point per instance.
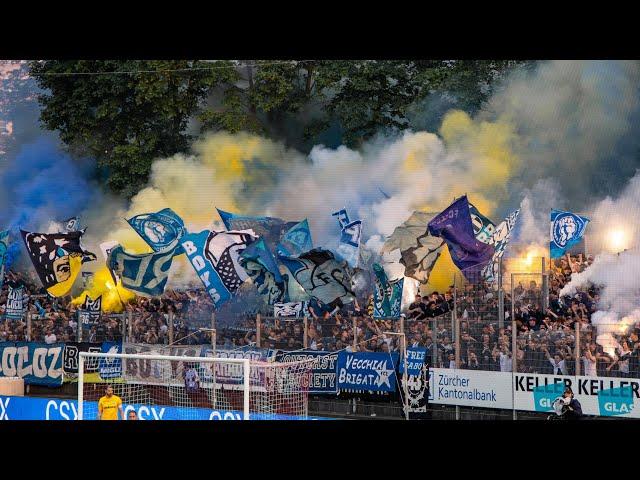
(405, 378)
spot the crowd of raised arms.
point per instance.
(545, 343)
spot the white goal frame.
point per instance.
(246, 370)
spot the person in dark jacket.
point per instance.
(573, 409)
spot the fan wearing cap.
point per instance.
(573, 409)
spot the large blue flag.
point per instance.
(260, 265)
(321, 276)
(455, 227)
(567, 230)
(215, 258)
(4, 246)
(269, 228)
(159, 229)
(349, 246)
(145, 274)
(296, 240)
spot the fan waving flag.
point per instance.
(567, 230)
(419, 251)
(349, 246)
(321, 276)
(455, 227)
(159, 229)
(145, 274)
(262, 268)
(215, 257)
(57, 258)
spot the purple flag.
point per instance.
(455, 227)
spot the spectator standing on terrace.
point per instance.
(50, 337)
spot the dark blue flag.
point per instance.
(455, 227)
(260, 265)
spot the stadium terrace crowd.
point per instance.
(545, 342)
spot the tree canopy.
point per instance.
(127, 113)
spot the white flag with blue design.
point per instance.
(349, 246)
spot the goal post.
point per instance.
(159, 387)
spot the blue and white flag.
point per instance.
(14, 308)
(343, 217)
(215, 257)
(349, 246)
(483, 227)
(110, 367)
(567, 230)
(145, 274)
(321, 276)
(41, 311)
(71, 225)
(269, 228)
(4, 246)
(296, 240)
(499, 240)
(371, 371)
(159, 229)
(263, 270)
(387, 295)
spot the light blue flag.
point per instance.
(260, 265)
(215, 258)
(349, 246)
(296, 240)
(343, 217)
(159, 229)
(271, 229)
(144, 274)
(4, 246)
(567, 229)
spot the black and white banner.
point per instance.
(72, 354)
(90, 312)
(15, 303)
(290, 309)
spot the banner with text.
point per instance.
(323, 373)
(470, 388)
(371, 371)
(37, 363)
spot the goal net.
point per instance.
(160, 387)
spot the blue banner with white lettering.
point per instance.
(567, 229)
(415, 360)
(323, 373)
(215, 258)
(159, 229)
(110, 367)
(36, 363)
(454, 225)
(371, 371)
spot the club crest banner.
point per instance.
(57, 259)
(159, 229)
(567, 229)
(215, 257)
(321, 276)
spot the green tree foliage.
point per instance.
(125, 120)
(128, 120)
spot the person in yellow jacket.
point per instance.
(109, 406)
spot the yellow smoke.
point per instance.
(112, 296)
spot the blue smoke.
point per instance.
(41, 184)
